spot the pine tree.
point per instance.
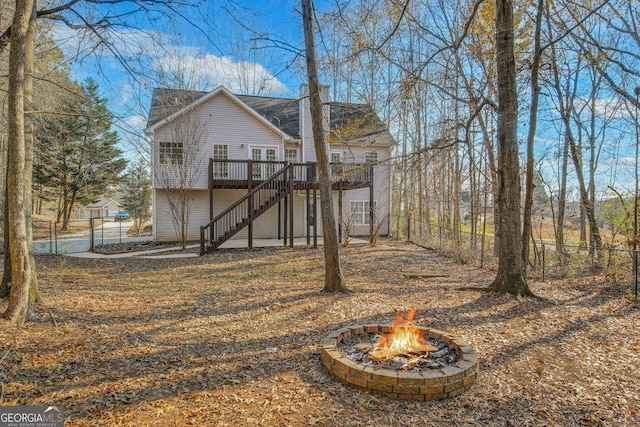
(86, 163)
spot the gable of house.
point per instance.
(207, 108)
(349, 122)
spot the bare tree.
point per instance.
(565, 107)
(179, 162)
(511, 277)
(29, 60)
(614, 59)
(18, 307)
(333, 281)
(533, 118)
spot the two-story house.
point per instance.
(245, 165)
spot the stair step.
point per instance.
(281, 190)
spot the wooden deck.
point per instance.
(247, 174)
(268, 184)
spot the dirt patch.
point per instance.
(233, 339)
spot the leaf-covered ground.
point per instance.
(140, 342)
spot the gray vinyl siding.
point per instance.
(163, 225)
(216, 114)
(381, 188)
(224, 122)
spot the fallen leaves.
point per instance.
(140, 342)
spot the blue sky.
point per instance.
(224, 39)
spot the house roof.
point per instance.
(172, 104)
(283, 113)
(165, 102)
(102, 204)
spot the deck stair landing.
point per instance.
(245, 210)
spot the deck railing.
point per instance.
(350, 173)
(241, 170)
(244, 172)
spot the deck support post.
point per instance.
(315, 216)
(250, 210)
(286, 219)
(291, 205)
(340, 230)
(279, 219)
(210, 185)
(372, 215)
(308, 217)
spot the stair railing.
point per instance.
(246, 209)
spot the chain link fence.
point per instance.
(547, 259)
(50, 238)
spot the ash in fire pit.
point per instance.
(433, 365)
(404, 347)
(359, 349)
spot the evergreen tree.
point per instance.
(85, 163)
(136, 194)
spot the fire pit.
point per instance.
(433, 365)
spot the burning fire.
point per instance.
(404, 338)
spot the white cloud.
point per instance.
(136, 122)
(82, 44)
(612, 108)
(627, 161)
(209, 71)
(126, 92)
(177, 64)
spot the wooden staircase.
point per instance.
(245, 210)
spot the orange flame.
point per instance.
(404, 336)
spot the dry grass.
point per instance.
(134, 342)
(43, 226)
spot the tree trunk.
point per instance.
(584, 195)
(18, 307)
(34, 293)
(533, 117)
(333, 281)
(6, 274)
(69, 210)
(511, 276)
(562, 197)
(62, 214)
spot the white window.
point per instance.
(336, 157)
(360, 212)
(220, 168)
(291, 155)
(170, 153)
(371, 157)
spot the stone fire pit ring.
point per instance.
(432, 384)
